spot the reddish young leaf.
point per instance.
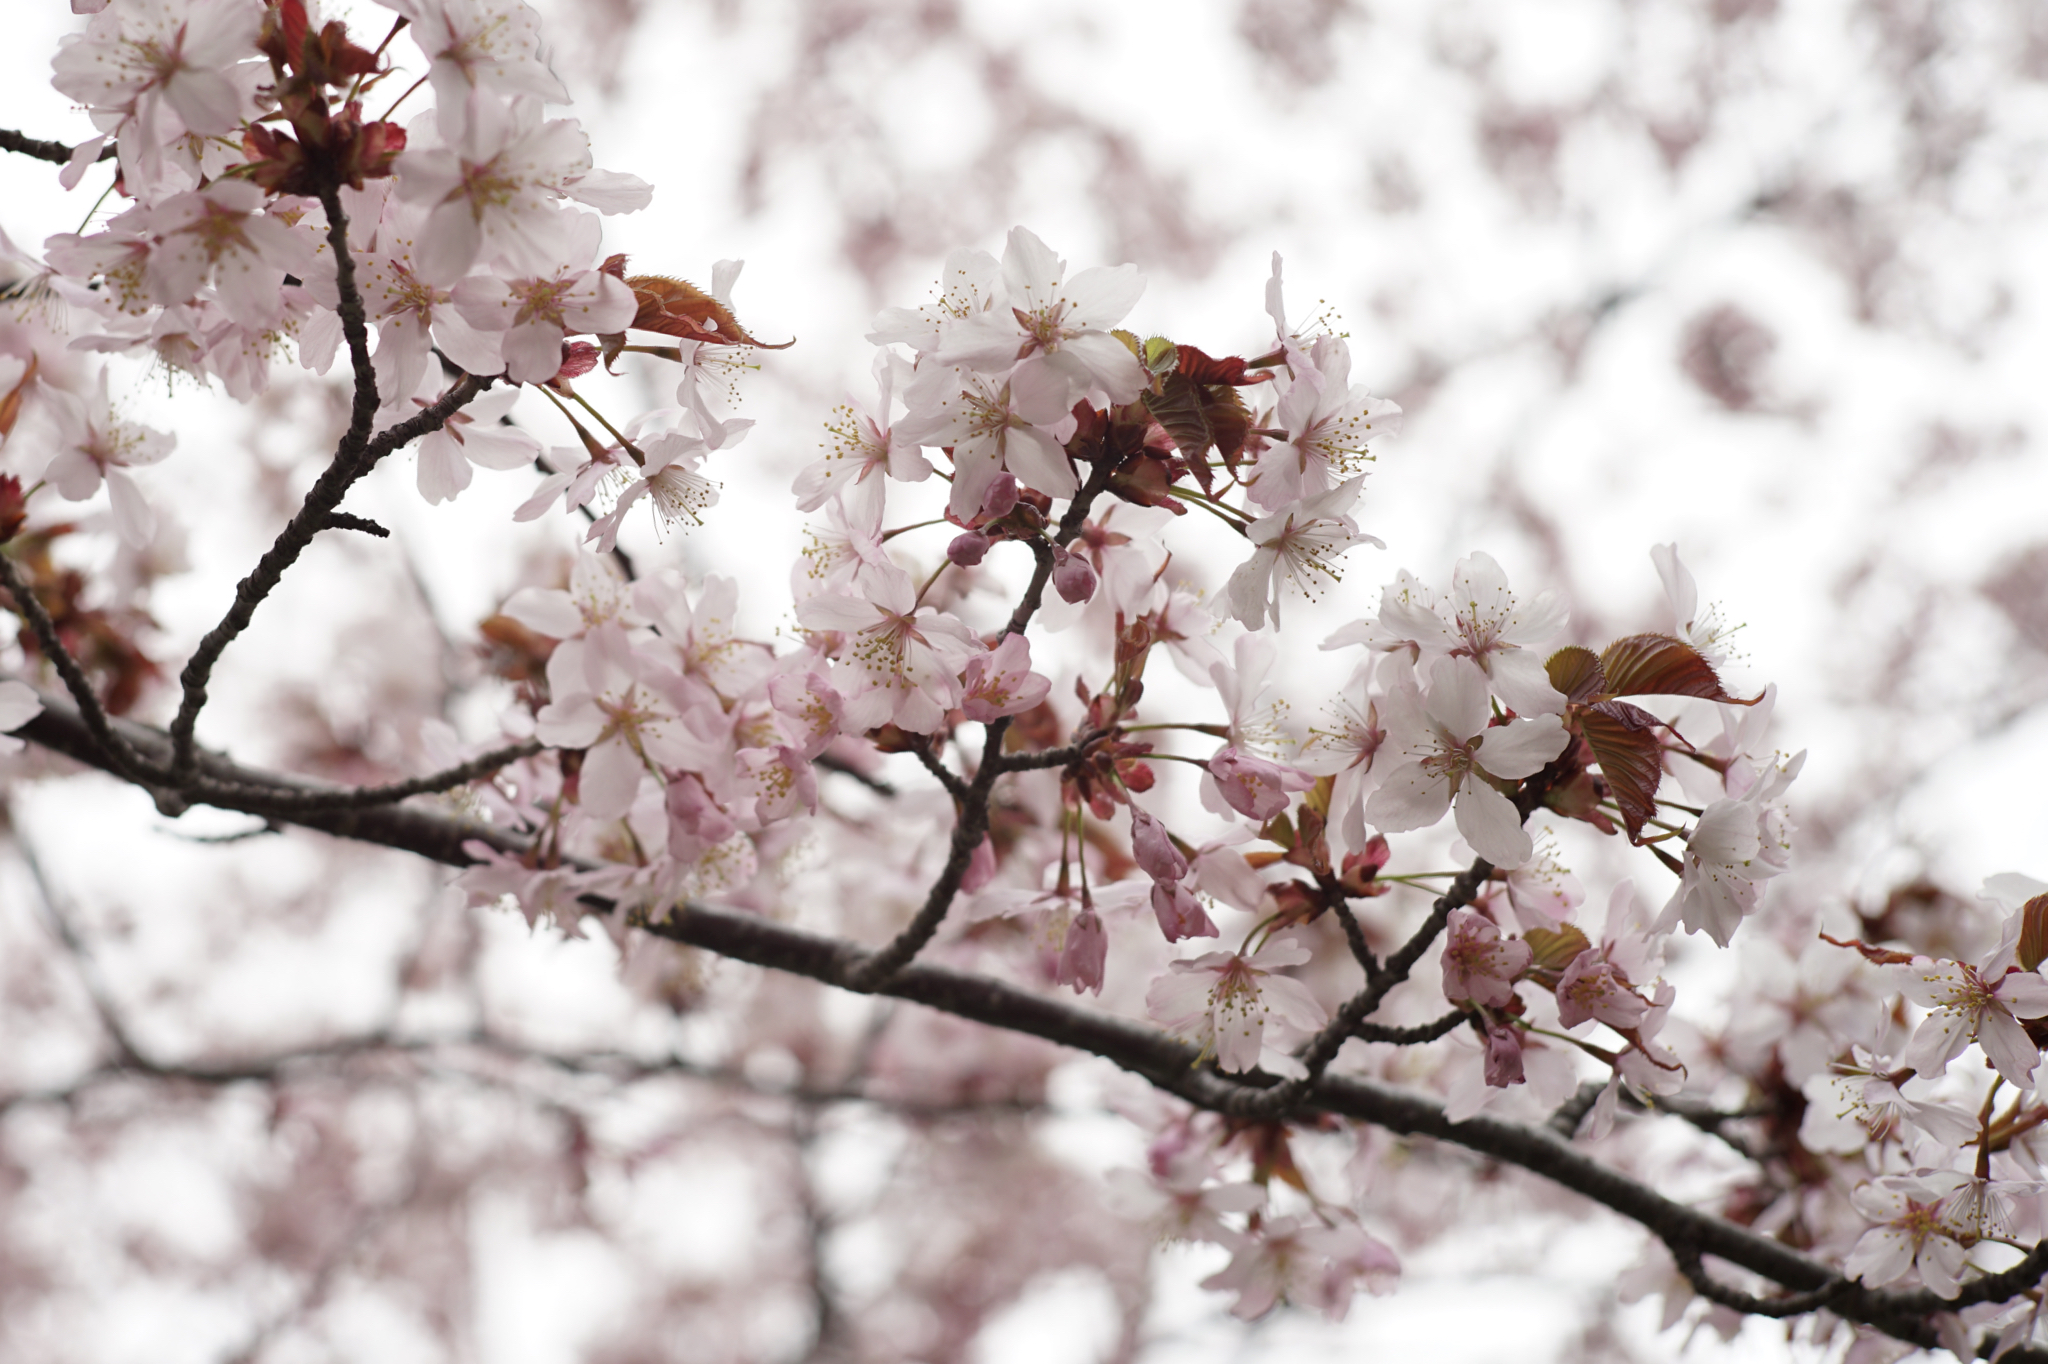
(1658, 665)
(1882, 956)
(1204, 369)
(2033, 944)
(675, 307)
(1575, 671)
(1624, 742)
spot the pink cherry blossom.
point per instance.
(1330, 423)
(1307, 1263)
(479, 45)
(901, 661)
(605, 703)
(1001, 682)
(1965, 1006)
(1592, 989)
(1921, 1231)
(1056, 334)
(1179, 913)
(536, 312)
(977, 417)
(1478, 964)
(1236, 1007)
(1298, 544)
(1500, 634)
(95, 445)
(1446, 752)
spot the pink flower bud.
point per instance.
(1154, 849)
(1072, 576)
(1503, 1055)
(967, 549)
(1083, 953)
(1253, 787)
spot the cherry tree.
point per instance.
(1024, 769)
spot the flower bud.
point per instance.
(967, 549)
(1072, 576)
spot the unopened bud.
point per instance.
(967, 550)
(1072, 576)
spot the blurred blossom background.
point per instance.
(1763, 278)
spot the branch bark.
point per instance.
(1170, 1064)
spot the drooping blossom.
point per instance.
(1732, 849)
(1308, 1263)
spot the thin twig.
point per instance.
(11, 141)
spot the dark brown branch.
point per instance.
(1172, 1065)
(354, 457)
(270, 801)
(948, 778)
(11, 141)
(291, 542)
(1415, 1036)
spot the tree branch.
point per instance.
(1170, 1064)
(11, 141)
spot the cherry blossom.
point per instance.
(494, 191)
(1237, 1007)
(1921, 1231)
(1484, 622)
(1056, 334)
(1732, 849)
(535, 313)
(1297, 544)
(978, 418)
(471, 437)
(862, 449)
(1305, 1262)
(901, 662)
(1331, 423)
(1966, 1006)
(94, 445)
(1593, 989)
(1478, 964)
(608, 703)
(479, 45)
(1447, 753)
(1000, 682)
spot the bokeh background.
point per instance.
(1764, 278)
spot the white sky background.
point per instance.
(1825, 517)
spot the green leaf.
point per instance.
(1624, 742)
(1556, 949)
(1161, 356)
(1575, 671)
(1659, 665)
